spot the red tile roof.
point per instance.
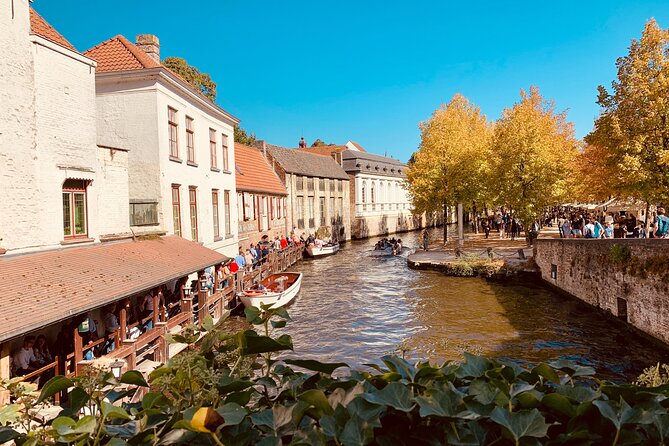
(254, 174)
(323, 150)
(42, 28)
(44, 288)
(119, 54)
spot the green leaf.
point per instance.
(401, 366)
(232, 414)
(521, 424)
(86, 425)
(560, 404)
(357, 432)
(484, 392)
(278, 324)
(441, 404)
(134, 377)
(317, 399)
(153, 399)
(264, 418)
(207, 322)
(111, 411)
(547, 372)
(8, 434)
(63, 425)
(317, 366)
(474, 366)
(53, 386)
(127, 430)
(572, 369)
(282, 313)
(395, 395)
(227, 384)
(619, 414)
(116, 442)
(9, 413)
(519, 387)
(253, 315)
(250, 343)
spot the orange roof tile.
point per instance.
(323, 150)
(41, 27)
(254, 174)
(119, 54)
(45, 288)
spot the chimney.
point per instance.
(150, 45)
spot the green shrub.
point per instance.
(210, 397)
(620, 253)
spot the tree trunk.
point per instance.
(476, 218)
(445, 222)
(461, 231)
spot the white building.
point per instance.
(55, 181)
(181, 151)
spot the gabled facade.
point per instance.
(261, 197)
(59, 187)
(181, 151)
(318, 192)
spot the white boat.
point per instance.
(277, 290)
(388, 252)
(325, 250)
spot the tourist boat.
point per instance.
(388, 252)
(278, 290)
(325, 250)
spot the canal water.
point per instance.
(355, 308)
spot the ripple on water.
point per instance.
(355, 309)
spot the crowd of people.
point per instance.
(392, 244)
(578, 224)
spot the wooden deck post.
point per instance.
(78, 348)
(123, 320)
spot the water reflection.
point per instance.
(355, 308)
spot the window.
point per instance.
(192, 204)
(212, 148)
(363, 193)
(340, 207)
(174, 132)
(300, 211)
(322, 210)
(176, 210)
(310, 184)
(248, 206)
(331, 210)
(143, 213)
(226, 161)
(226, 208)
(381, 194)
(339, 185)
(321, 184)
(278, 207)
(214, 206)
(272, 202)
(372, 197)
(190, 140)
(299, 183)
(75, 218)
(310, 209)
(332, 185)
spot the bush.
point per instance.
(233, 391)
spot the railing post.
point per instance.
(123, 322)
(78, 349)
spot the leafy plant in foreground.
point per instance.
(232, 390)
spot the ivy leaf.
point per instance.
(618, 414)
(85, 425)
(7, 434)
(232, 414)
(135, 378)
(560, 404)
(395, 395)
(53, 386)
(401, 366)
(278, 324)
(473, 367)
(521, 424)
(317, 366)
(547, 372)
(357, 432)
(207, 322)
(227, 384)
(317, 399)
(519, 387)
(111, 411)
(440, 403)
(251, 343)
(9, 413)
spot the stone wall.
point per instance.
(630, 280)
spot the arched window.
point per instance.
(372, 195)
(364, 192)
(381, 196)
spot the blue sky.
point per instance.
(371, 71)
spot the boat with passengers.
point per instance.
(276, 290)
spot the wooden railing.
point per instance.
(152, 342)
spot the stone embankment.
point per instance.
(491, 258)
(628, 278)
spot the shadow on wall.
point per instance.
(383, 225)
(360, 228)
(402, 223)
(338, 228)
(417, 221)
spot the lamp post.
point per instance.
(116, 368)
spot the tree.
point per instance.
(591, 174)
(242, 137)
(533, 148)
(200, 81)
(634, 125)
(319, 143)
(451, 163)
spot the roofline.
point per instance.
(162, 73)
(50, 44)
(259, 191)
(329, 177)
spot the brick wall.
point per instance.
(636, 289)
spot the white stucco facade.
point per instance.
(132, 113)
(48, 136)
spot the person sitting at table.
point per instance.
(44, 358)
(24, 360)
(111, 326)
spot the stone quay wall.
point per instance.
(628, 278)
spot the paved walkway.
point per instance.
(477, 245)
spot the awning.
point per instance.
(605, 204)
(44, 288)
